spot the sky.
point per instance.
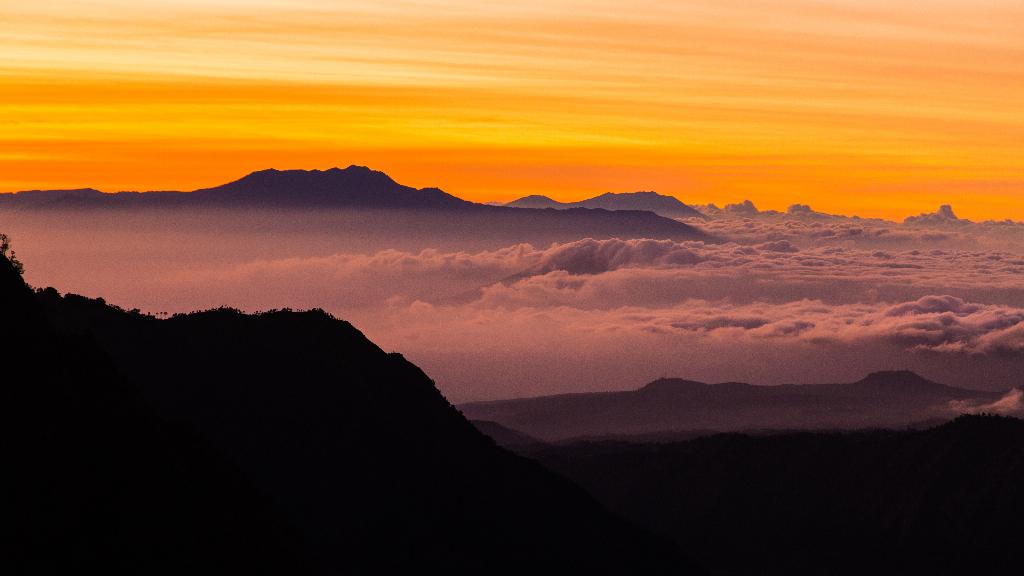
(867, 107)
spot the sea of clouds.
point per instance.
(777, 297)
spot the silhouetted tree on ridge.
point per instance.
(6, 252)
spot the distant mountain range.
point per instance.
(667, 206)
(358, 188)
(673, 406)
(352, 187)
(279, 443)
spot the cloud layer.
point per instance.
(773, 311)
(795, 297)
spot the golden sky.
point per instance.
(880, 108)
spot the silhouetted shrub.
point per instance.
(6, 252)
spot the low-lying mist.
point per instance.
(499, 311)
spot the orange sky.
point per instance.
(872, 107)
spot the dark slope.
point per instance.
(883, 399)
(667, 206)
(377, 472)
(94, 482)
(942, 501)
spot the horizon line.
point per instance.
(718, 205)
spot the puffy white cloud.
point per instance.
(943, 216)
(591, 256)
(803, 225)
(604, 314)
(519, 350)
(1011, 404)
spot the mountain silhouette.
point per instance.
(353, 187)
(317, 452)
(96, 481)
(934, 502)
(667, 206)
(671, 406)
(536, 201)
(377, 204)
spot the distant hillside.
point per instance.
(883, 399)
(392, 207)
(943, 501)
(349, 452)
(667, 206)
(504, 437)
(536, 201)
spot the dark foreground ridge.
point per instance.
(96, 482)
(671, 406)
(280, 443)
(935, 502)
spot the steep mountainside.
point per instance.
(370, 466)
(96, 482)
